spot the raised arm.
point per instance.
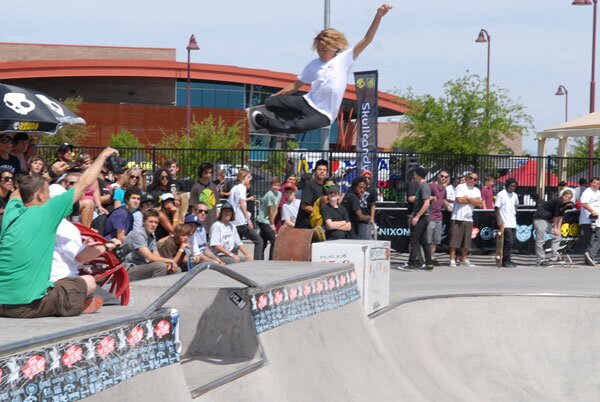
(91, 174)
(364, 42)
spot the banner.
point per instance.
(366, 106)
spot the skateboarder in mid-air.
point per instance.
(327, 76)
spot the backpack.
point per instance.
(316, 219)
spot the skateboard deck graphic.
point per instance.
(499, 245)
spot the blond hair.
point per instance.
(242, 174)
(332, 39)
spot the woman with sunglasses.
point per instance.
(161, 183)
(7, 185)
(83, 162)
(132, 177)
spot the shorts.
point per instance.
(64, 299)
(460, 234)
(434, 232)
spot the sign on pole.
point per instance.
(366, 106)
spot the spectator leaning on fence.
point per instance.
(267, 213)
(506, 219)
(590, 209)
(547, 220)
(468, 197)
(27, 243)
(205, 191)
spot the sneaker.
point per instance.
(453, 263)
(92, 304)
(427, 267)
(466, 263)
(588, 259)
(435, 262)
(258, 118)
(547, 264)
(509, 264)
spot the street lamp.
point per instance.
(560, 92)
(484, 37)
(192, 45)
(592, 83)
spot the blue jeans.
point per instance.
(292, 115)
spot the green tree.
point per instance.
(210, 140)
(75, 135)
(277, 162)
(128, 144)
(465, 120)
(578, 156)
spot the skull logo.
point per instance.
(18, 102)
(52, 105)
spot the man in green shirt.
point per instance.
(27, 241)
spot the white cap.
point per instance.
(166, 196)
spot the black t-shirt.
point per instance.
(310, 193)
(3, 202)
(11, 164)
(549, 209)
(353, 203)
(411, 190)
(336, 215)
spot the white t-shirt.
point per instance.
(507, 207)
(225, 236)
(68, 246)
(464, 212)
(198, 240)
(592, 198)
(238, 193)
(290, 210)
(327, 82)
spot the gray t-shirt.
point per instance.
(269, 200)
(138, 239)
(423, 193)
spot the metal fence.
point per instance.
(391, 166)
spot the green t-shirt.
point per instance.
(269, 199)
(26, 247)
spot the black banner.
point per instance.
(366, 106)
(392, 225)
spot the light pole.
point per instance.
(326, 22)
(560, 92)
(484, 37)
(592, 83)
(192, 45)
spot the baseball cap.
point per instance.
(366, 172)
(226, 205)
(147, 198)
(289, 186)
(333, 189)
(166, 197)
(191, 218)
(64, 147)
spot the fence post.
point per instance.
(154, 164)
(242, 157)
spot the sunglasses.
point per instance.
(444, 177)
(134, 177)
(164, 177)
(7, 179)
(472, 178)
(201, 211)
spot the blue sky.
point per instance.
(536, 44)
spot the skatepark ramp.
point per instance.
(298, 331)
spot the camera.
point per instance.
(114, 164)
(121, 251)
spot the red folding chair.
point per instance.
(107, 268)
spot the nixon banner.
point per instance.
(366, 107)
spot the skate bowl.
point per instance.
(252, 336)
(458, 348)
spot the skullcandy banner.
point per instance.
(79, 368)
(366, 106)
(23, 109)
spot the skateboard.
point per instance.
(260, 108)
(499, 245)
